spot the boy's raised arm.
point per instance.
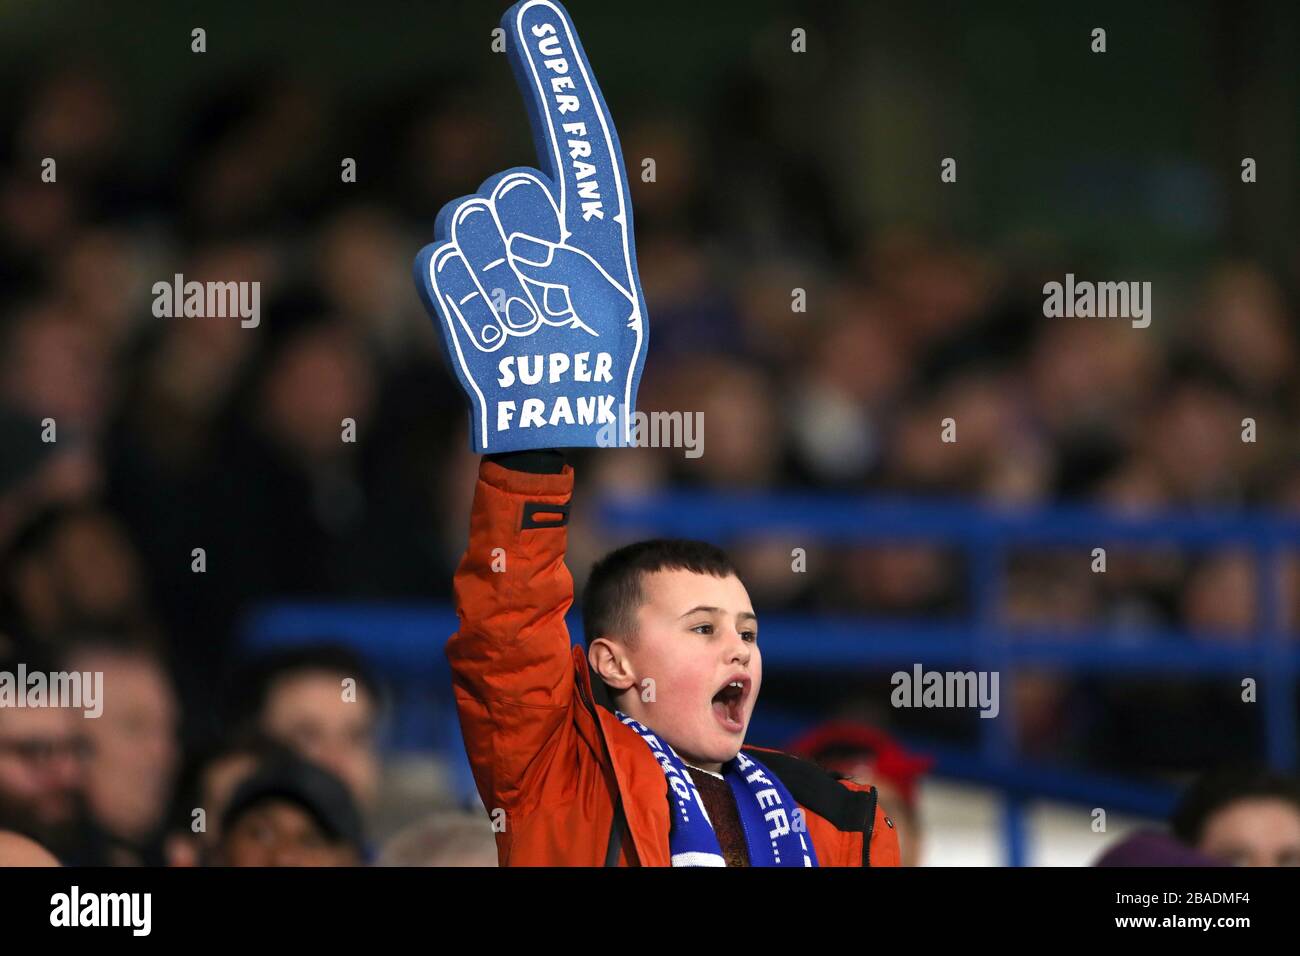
(533, 286)
(510, 658)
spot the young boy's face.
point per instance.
(697, 638)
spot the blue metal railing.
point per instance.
(405, 641)
(987, 534)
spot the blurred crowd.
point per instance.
(161, 477)
(293, 781)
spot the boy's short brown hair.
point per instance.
(614, 592)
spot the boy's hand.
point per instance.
(533, 281)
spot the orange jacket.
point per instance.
(542, 750)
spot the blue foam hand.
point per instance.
(532, 280)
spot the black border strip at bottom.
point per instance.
(304, 906)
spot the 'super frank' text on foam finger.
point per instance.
(555, 367)
(563, 87)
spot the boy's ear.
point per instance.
(608, 659)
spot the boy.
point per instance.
(533, 285)
(672, 645)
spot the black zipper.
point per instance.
(870, 826)
(619, 823)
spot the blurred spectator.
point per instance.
(443, 839)
(304, 429)
(18, 850)
(1152, 848)
(249, 162)
(1219, 600)
(1086, 381)
(1193, 433)
(53, 366)
(72, 568)
(869, 755)
(365, 278)
(320, 700)
(1242, 817)
(209, 777)
(291, 813)
(133, 747)
(43, 777)
(940, 288)
(1243, 327)
(898, 579)
(741, 443)
(72, 113)
(855, 370)
(36, 474)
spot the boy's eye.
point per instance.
(748, 635)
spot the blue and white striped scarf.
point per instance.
(771, 820)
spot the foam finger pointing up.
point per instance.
(576, 142)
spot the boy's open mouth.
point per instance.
(729, 703)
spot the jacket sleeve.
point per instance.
(510, 658)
